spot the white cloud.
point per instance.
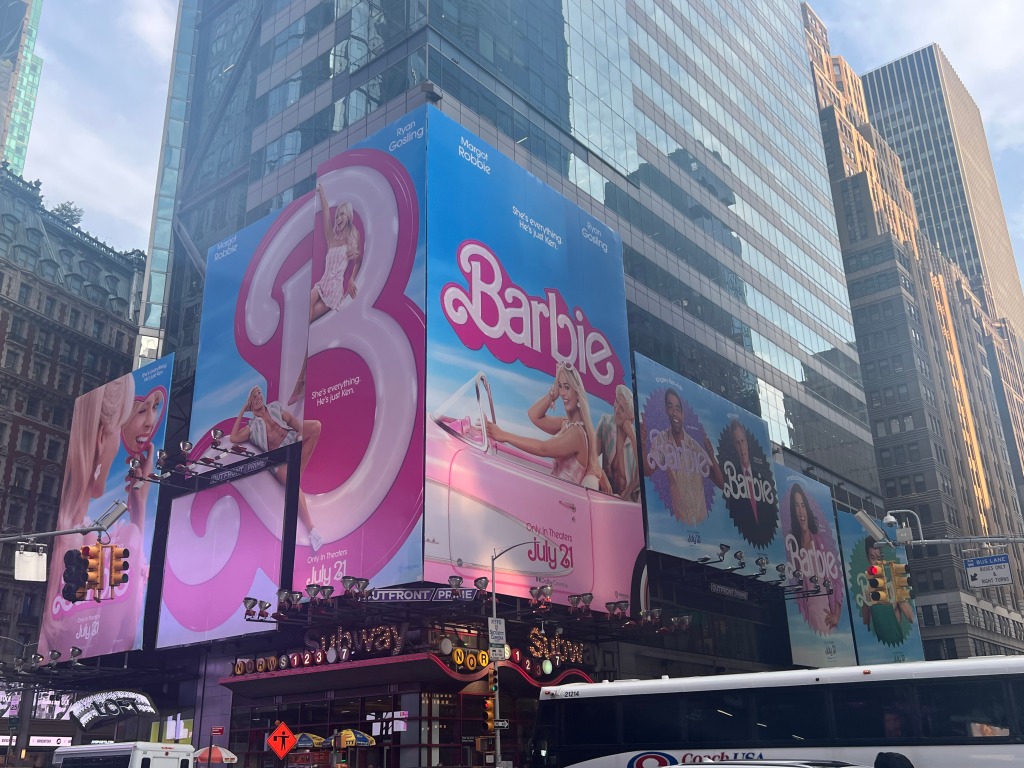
(99, 114)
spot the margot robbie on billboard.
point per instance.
(573, 444)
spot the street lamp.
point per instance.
(494, 615)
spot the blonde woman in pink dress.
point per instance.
(573, 442)
(344, 258)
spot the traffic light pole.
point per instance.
(100, 525)
(494, 615)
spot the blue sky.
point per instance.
(96, 135)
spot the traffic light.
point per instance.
(118, 566)
(492, 680)
(878, 589)
(488, 714)
(901, 582)
(93, 555)
(74, 576)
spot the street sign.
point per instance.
(496, 631)
(217, 730)
(282, 741)
(502, 724)
(498, 653)
(992, 571)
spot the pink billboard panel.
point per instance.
(312, 337)
(115, 430)
(223, 545)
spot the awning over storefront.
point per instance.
(418, 667)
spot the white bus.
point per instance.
(939, 714)
(128, 754)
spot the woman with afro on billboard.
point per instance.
(344, 258)
(573, 442)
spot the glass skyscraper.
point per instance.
(690, 127)
(19, 77)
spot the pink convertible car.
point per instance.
(482, 498)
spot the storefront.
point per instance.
(421, 704)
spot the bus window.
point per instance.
(653, 720)
(974, 709)
(590, 721)
(873, 712)
(791, 715)
(718, 717)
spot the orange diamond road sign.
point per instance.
(282, 741)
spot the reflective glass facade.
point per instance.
(691, 127)
(20, 24)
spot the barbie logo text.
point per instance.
(811, 562)
(538, 331)
(665, 454)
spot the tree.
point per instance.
(68, 212)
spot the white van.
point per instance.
(129, 754)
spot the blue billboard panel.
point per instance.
(530, 428)
(820, 634)
(883, 632)
(709, 482)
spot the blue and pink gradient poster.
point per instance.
(530, 437)
(817, 605)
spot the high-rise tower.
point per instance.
(920, 330)
(19, 77)
(924, 111)
(717, 182)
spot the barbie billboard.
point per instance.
(312, 340)
(113, 433)
(708, 474)
(819, 619)
(244, 518)
(884, 632)
(530, 436)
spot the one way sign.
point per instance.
(992, 571)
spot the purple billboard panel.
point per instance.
(819, 622)
(530, 439)
(113, 432)
(223, 545)
(708, 474)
